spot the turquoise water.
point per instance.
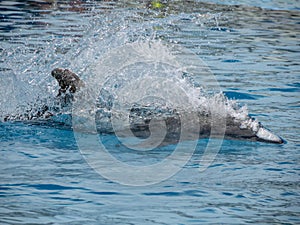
(253, 53)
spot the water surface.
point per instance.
(252, 49)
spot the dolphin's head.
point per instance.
(57, 73)
(263, 134)
(260, 132)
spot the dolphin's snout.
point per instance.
(265, 135)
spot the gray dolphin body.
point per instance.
(248, 129)
(143, 119)
(197, 124)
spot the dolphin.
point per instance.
(143, 119)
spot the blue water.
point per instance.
(253, 53)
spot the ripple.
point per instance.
(240, 95)
(231, 60)
(284, 89)
(168, 194)
(52, 187)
